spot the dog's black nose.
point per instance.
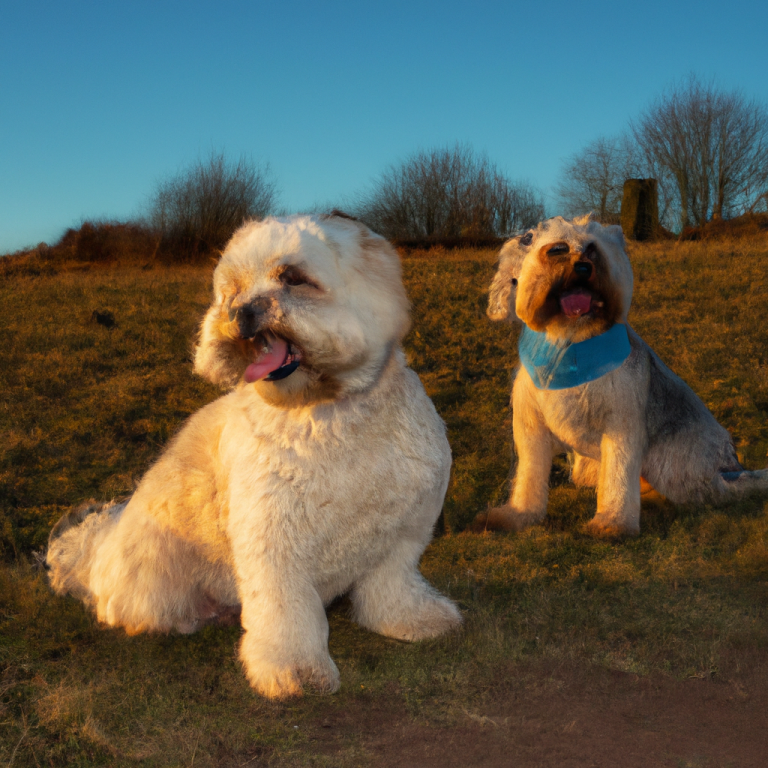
(583, 269)
(249, 317)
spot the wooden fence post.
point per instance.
(640, 209)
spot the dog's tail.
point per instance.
(743, 482)
(73, 543)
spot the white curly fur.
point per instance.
(280, 496)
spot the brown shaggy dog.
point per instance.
(602, 394)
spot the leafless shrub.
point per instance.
(448, 194)
(105, 242)
(197, 210)
(713, 145)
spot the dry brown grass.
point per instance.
(86, 409)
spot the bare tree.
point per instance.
(713, 145)
(198, 209)
(593, 179)
(448, 193)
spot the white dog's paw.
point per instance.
(505, 518)
(325, 680)
(275, 682)
(432, 617)
(286, 678)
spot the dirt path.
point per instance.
(569, 716)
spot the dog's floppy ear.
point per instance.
(503, 292)
(339, 214)
(216, 358)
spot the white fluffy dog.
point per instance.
(591, 386)
(323, 470)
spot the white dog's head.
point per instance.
(571, 279)
(305, 309)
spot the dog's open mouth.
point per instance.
(577, 302)
(275, 359)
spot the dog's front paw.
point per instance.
(504, 518)
(284, 683)
(285, 678)
(611, 529)
(324, 678)
(274, 683)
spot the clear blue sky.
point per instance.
(100, 100)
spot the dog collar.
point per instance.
(552, 366)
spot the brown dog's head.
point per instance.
(570, 279)
(306, 309)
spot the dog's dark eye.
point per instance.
(293, 276)
(514, 281)
(558, 249)
(526, 239)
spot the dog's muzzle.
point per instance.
(250, 318)
(274, 358)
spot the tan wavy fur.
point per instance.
(639, 424)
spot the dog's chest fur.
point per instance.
(335, 484)
(342, 478)
(642, 400)
(579, 417)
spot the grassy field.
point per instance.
(86, 409)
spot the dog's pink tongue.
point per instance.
(576, 304)
(270, 361)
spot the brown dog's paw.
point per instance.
(503, 519)
(610, 532)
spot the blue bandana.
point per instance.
(552, 366)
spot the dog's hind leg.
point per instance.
(395, 600)
(699, 465)
(584, 471)
(131, 571)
